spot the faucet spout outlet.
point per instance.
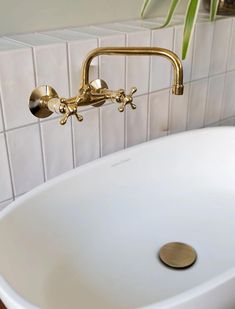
(44, 100)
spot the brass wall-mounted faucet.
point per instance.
(44, 100)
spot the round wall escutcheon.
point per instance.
(38, 101)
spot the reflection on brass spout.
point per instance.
(96, 93)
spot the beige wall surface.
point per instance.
(17, 16)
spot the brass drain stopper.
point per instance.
(177, 255)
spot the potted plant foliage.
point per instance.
(225, 7)
(190, 18)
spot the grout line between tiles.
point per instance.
(38, 122)
(125, 81)
(169, 96)
(148, 98)
(6, 145)
(7, 151)
(99, 108)
(222, 108)
(70, 94)
(230, 43)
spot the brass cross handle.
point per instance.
(124, 99)
(68, 109)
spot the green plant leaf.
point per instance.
(173, 6)
(189, 24)
(213, 9)
(144, 7)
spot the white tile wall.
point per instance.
(203, 38)
(109, 65)
(220, 46)
(33, 151)
(179, 111)
(214, 99)
(87, 137)
(5, 181)
(25, 158)
(231, 53)
(135, 66)
(50, 56)
(1, 122)
(112, 129)
(76, 42)
(55, 139)
(160, 72)
(187, 63)
(136, 122)
(17, 72)
(159, 111)
(197, 103)
(229, 95)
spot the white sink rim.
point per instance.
(14, 300)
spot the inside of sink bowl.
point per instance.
(90, 238)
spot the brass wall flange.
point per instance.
(99, 85)
(38, 101)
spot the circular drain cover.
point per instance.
(177, 255)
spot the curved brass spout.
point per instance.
(177, 87)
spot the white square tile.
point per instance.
(214, 99)
(50, 59)
(7, 44)
(1, 120)
(34, 39)
(75, 62)
(160, 76)
(57, 147)
(17, 82)
(5, 182)
(140, 23)
(176, 20)
(229, 95)
(136, 66)
(159, 111)
(25, 158)
(136, 121)
(202, 45)
(197, 104)
(51, 67)
(68, 35)
(5, 204)
(94, 31)
(79, 45)
(231, 53)
(112, 129)
(187, 63)
(137, 70)
(86, 137)
(220, 46)
(111, 68)
(179, 111)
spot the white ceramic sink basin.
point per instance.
(89, 239)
